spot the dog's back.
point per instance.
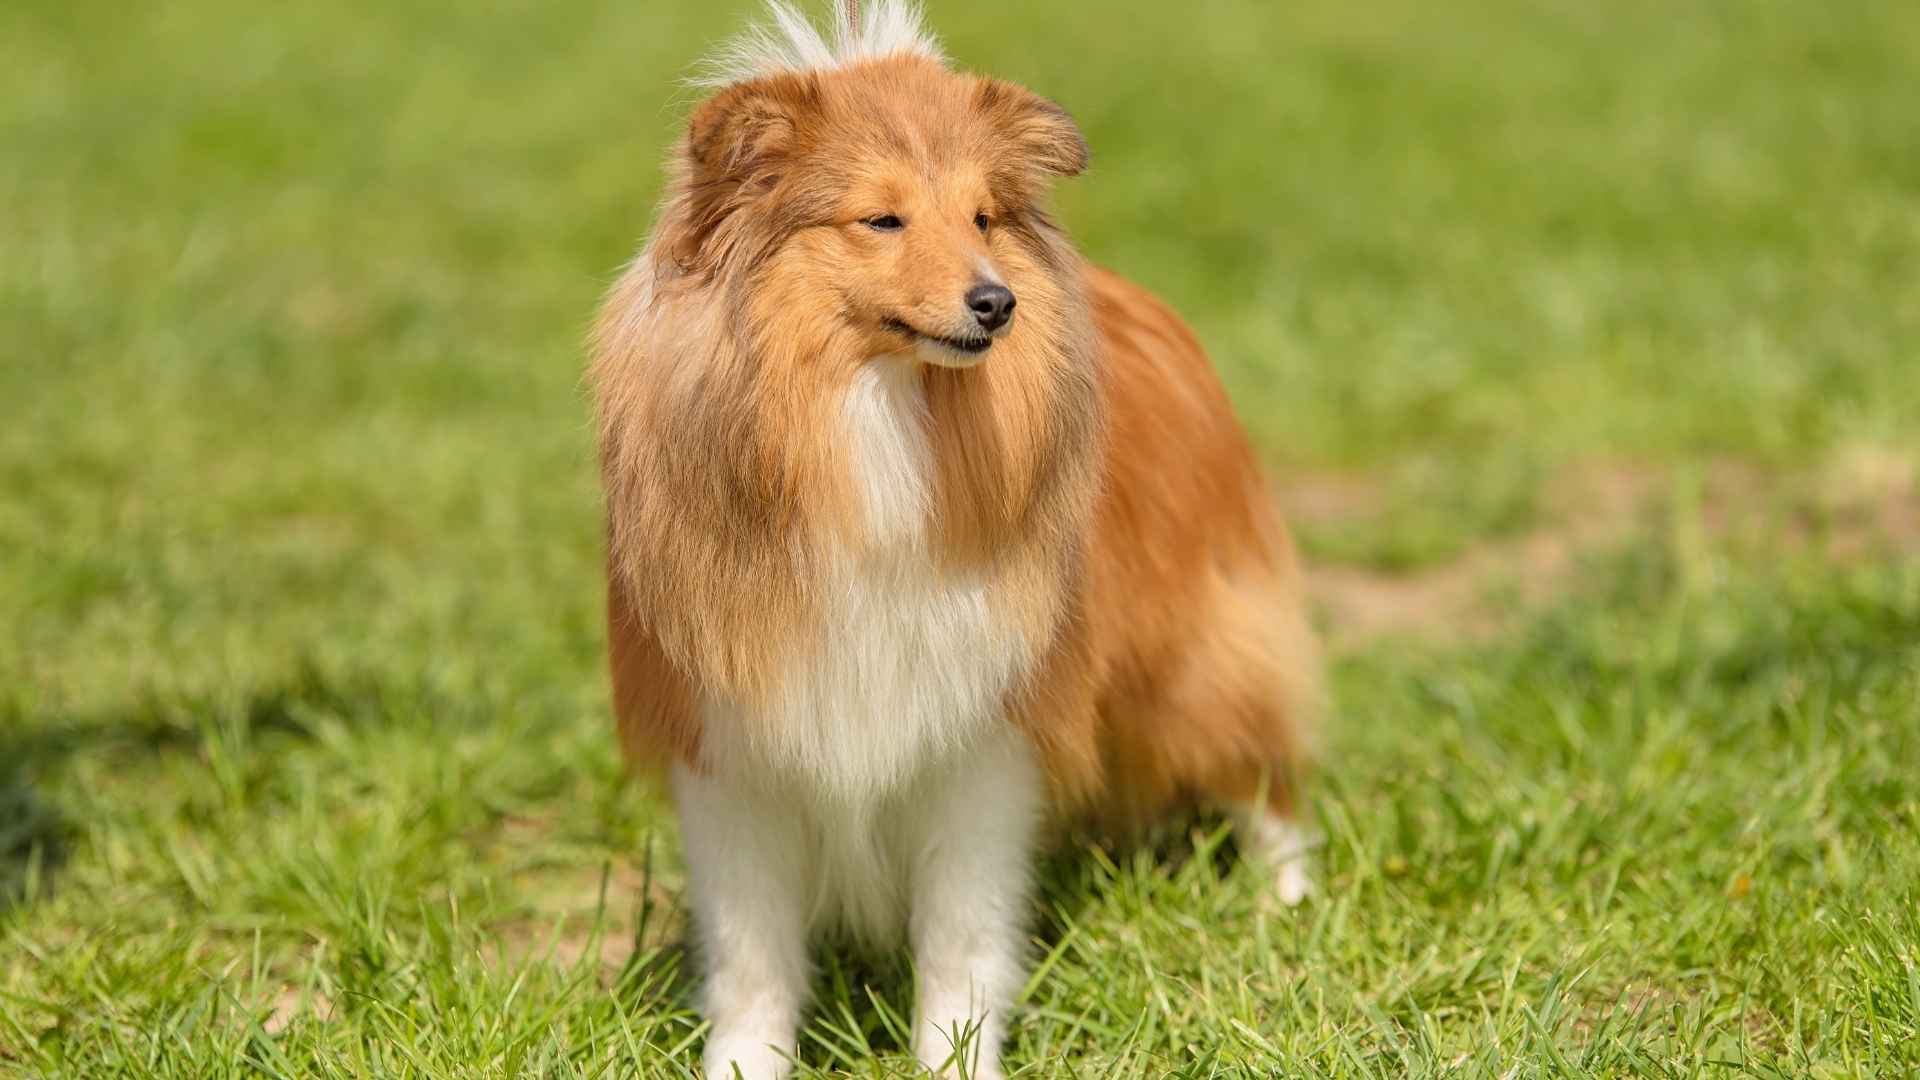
(1191, 673)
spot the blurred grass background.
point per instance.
(304, 763)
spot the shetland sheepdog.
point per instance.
(925, 535)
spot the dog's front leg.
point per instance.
(970, 888)
(747, 873)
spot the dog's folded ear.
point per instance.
(737, 144)
(1040, 132)
(743, 130)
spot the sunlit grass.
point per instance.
(305, 767)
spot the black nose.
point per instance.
(992, 305)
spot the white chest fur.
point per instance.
(912, 662)
(902, 691)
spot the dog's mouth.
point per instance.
(968, 346)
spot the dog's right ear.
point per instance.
(744, 128)
(738, 142)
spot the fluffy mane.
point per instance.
(790, 43)
(730, 375)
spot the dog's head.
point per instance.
(884, 199)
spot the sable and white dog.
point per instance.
(924, 534)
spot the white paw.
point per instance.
(753, 1057)
(1291, 882)
(1281, 846)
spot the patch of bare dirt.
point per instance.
(601, 910)
(1862, 503)
(292, 1002)
(1871, 497)
(1590, 509)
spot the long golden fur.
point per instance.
(1090, 468)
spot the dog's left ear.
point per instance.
(1042, 132)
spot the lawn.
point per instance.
(1583, 340)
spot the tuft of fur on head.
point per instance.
(790, 43)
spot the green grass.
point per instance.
(305, 768)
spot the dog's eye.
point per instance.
(980, 221)
(885, 223)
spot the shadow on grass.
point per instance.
(34, 837)
(36, 833)
(1078, 873)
